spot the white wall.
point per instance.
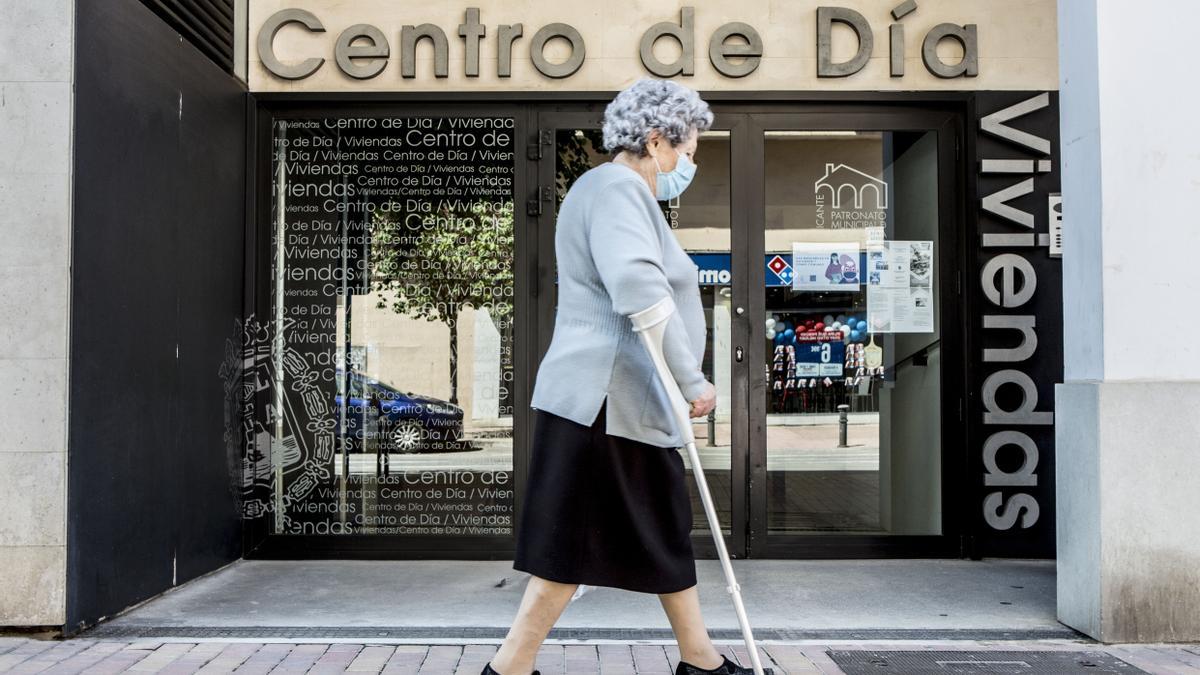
(1140, 112)
(1080, 134)
(1128, 459)
(35, 169)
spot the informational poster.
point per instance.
(820, 359)
(873, 236)
(900, 287)
(825, 266)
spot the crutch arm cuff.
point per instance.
(653, 315)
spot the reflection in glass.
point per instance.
(848, 335)
(392, 326)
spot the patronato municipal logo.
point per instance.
(849, 198)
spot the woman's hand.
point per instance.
(705, 404)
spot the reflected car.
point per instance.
(407, 423)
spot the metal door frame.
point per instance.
(866, 117)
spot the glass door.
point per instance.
(854, 333)
(710, 229)
(827, 256)
(390, 330)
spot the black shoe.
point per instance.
(488, 670)
(727, 667)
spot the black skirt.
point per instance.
(604, 510)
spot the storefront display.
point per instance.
(412, 285)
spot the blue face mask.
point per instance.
(669, 185)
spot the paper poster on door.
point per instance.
(825, 266)
(820, 359)
(900, 287)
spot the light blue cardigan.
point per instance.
(617, 255)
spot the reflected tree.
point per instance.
(434, 265)
(577, 150)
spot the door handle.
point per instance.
(737, 354)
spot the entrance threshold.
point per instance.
(474, 601)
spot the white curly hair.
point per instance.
(649, 104)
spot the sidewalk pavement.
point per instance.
(25, 655)
(448, 617)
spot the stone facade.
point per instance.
(36, 71)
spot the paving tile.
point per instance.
(44, 659)
(162, 657)
(266, 658)
(672, 651)
(790, 660)
(651, 660)
(474, 657)
(121, 661)
(441, 660)
(300, 659)
(23, 651)
(615, 659)
(1177, 654)
(406, 660)
(1142, 658)
(581, 659)
(821, 660)
(371, 659)
(232, 656)
(8, 644)
(194, 659)
(336, 659)
(551, 660)
(85, 659)
(743, 656)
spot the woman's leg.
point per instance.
(542, 604)
(683, 611)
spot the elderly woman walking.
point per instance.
(606, 503)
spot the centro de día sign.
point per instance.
(735, 49)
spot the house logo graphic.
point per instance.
(849, 188)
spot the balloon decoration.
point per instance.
(785, 329)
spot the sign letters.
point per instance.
(735, 49)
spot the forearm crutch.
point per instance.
(650, 323)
